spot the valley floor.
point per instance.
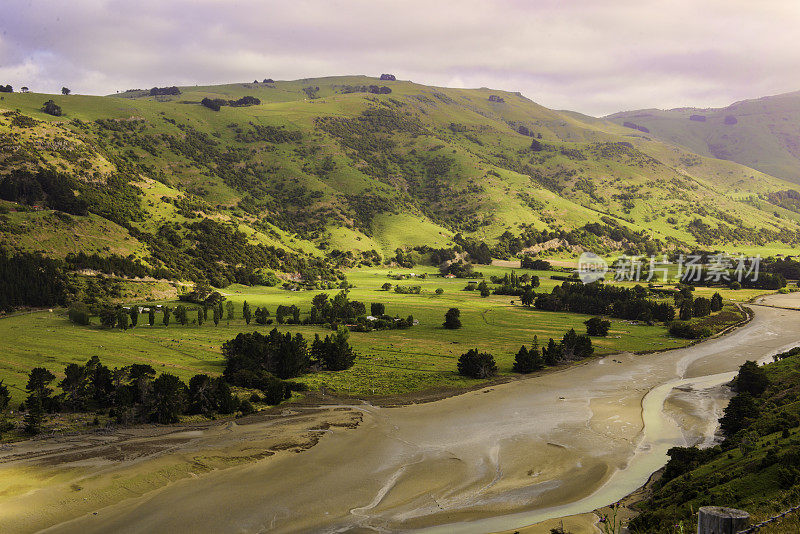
(494, 459)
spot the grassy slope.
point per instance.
(764, 138)
(390, 362)
(572, 183)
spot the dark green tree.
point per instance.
(452, 319)
(246, 312)
(151, 315)
(751, 379)
(597, 326)
(701, 307)
(716, 302)
(230, 310)
(167, 399)
(476, 364)
(167, 312)
(134, 314)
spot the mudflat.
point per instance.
(504, 457)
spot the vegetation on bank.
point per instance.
(755, 468)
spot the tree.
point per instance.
(376, 309)
(250, 355)
(716, 302)
(334, 352)
(165, 318)
(167, 399)
(476, 364)
(701, 307)
(181, 314)
(740, 413)
(202, 395)
(51, 108)
(527, 297)
(38, 400)
(386, 286)
(552, 353)
(134, 313)
(439, 291)
(217, 315)
(452, 319)
(200, 316)
(483, 287)
(246, 312)
(122, 319)
(575, 346)
(151, 315)
(79, 313)
(230, 310)
(751, 379)
(65, 91)
(5, 397)
(686, 310)
(108, 317)
(528, 361)
(262, 315)
(597, 327)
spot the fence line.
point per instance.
(762, 524)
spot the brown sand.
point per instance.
(517, 454)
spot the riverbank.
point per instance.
(495, 459)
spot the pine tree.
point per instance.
(229, 306)
(134, 314)
(165, 318)
(200, 316)
(217, 315)
(151, 315)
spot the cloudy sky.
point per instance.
(593, 56)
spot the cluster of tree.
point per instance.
(51, 108)
(113, 264)
(687, 330)
(763, 280)
(44, 186)
(129, 394)
(535, 264)
(497, 99)
(388, 77)
(6, 88)
(479, 252)
(512, 284)
(31, 280)
(256, 360)
(216, 103)
(571, 347)
(460, 269)
(602, 299)
(786, 267)
(407, 290)
(164, 91)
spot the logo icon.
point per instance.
(591, 267)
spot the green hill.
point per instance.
(763, 133)
(336, 168)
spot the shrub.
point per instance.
(79, 313)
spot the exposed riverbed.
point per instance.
(495, 459)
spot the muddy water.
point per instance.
(495, 459)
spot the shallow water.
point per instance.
(500, 458)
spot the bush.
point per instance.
(51, 108)
(476, 364)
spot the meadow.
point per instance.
(390, 362)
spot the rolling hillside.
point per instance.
(344, 166)
(763, 133)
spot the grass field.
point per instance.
(391, 362)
